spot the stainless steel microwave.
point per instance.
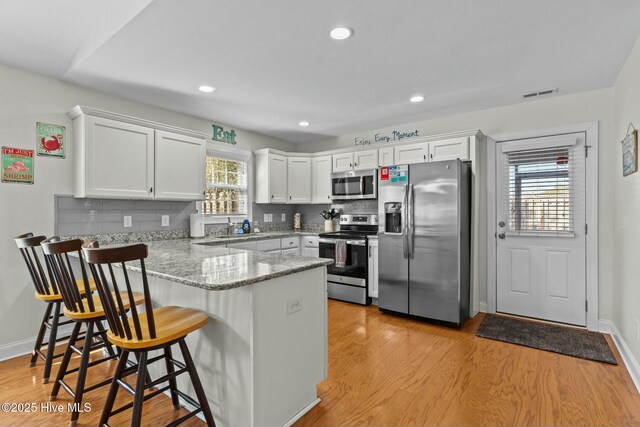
(354, 185)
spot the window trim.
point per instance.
(238, 154)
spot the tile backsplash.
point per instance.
(81, 217)
(76, 217)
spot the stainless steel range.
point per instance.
(348, 280)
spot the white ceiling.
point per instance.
(273, 63)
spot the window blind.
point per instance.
(540, 190)
(226, 191)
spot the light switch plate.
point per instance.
(127, 221)
(267, 217)
(284, 217)
(165, 220)
(294, 305)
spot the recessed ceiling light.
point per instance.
(341, 33)
(303, 123)
(206, 89)
(417, 98)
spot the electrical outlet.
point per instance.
(127, 221)
(294, 305)
(165, 220)
(284, 217)
(637, 329)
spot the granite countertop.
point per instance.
(224, 240)
(217, 268)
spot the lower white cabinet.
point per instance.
(292, 251)
(310, 246)
(249, 246)
(268, 245)
(373, 268)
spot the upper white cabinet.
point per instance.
(408, 154)
(365, 159)
(271, 177)
(385, 156)
(342, 162)
(449, 149)
(113, 159)
(357, 160)
(299, 180)
(321, 179)
(121, 157)
(179, 166)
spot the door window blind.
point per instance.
(540, 190)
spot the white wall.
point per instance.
(626, 221)
(27, 98)
(589, 106)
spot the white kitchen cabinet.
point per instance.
(290, 242)
(180, 166)
(414, 153)
(342, 162)
(310, 246)
(268, 245)
(367, 159)
(373, 268)
(270, 177)
(299, 180)
(292, 251)
(321, 179)
(121, 157)
(385, 156)
(113, 159)
(449, 149)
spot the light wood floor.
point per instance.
(390, 371)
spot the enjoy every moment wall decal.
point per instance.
(378, 138)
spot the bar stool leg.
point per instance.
(40, 336)
(82, 374)
(53, 334)
(172, 382)
(109, 347)
(62, 371)
(113, 388)
(138, 400)
(197, 385)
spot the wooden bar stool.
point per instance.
(139, 333)
(84, 310)
(47, 291)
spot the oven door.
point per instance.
(348, 186)
(357, 257)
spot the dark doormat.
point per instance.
(559, 339)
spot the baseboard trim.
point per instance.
(301, 413)
(20, 348)
(608, 327)
(482, 307)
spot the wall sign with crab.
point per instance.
(50, 140)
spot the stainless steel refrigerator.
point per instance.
(424, 240)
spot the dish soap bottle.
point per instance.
(246, 226)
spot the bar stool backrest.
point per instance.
(115, 312)
(56, 255)
(27, 244)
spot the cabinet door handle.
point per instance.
(431, 155)
(350, 165)
(329, 197)
(355, 164)
(272, 196)
(425, 157)
(151, 190)
(370, 250)
(289, 197)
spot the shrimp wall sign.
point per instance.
(17, 165)
(50, 140)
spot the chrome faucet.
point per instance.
(229, 226)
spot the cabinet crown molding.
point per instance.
(471, 133)
(79, 110)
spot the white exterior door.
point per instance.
(541, 242)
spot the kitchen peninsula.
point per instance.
(264, 349)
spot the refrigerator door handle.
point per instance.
(405, 243)
(410, 222)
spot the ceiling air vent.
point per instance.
(541, 93)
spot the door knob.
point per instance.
(501, 235)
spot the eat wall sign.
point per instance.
(221, 135)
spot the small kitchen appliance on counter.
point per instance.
(197, 225)
(347, 278)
